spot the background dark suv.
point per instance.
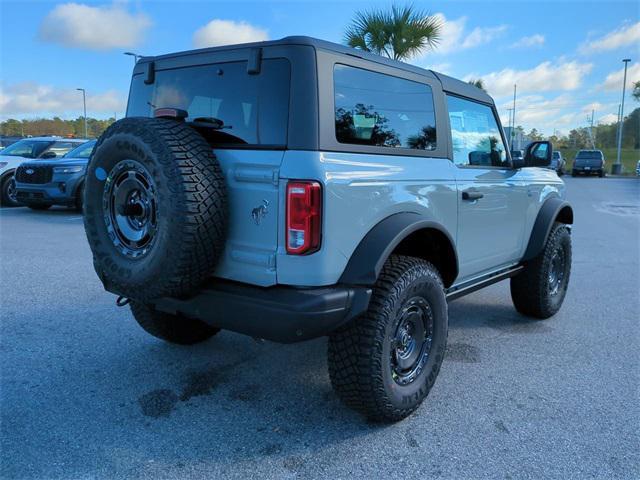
(589, 162)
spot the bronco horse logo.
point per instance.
(260, 212)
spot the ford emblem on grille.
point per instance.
(29, 171)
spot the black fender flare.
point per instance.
(8, 173)
(372, 252)
(552, 210)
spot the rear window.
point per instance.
(380, 110)
(254, 109)
(590, 154)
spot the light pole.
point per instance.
(134, 55)
(616, 168)
(84, 104)
(514, 114)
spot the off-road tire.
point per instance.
(359, 354)
(39, 206)
(191, 208)
(171, 328)
(530, 289)
(5, 199)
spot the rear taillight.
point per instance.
(304, 207)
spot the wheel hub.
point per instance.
(556, 271)
(411, 342)
(130, 208)
(11, 190)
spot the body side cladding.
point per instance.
(552, 210)
(390, 235)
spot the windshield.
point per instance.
(556, 155)
(83, 151)
(27, 148)
(223, 99)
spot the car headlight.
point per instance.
(76, 169)
(3, 164)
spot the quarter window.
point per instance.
(475, 134)
(380, 110)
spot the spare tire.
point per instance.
(155, 208)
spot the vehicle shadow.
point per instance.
(226, 401)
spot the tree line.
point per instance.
(603, 135)
(54, 126)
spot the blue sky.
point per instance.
(564, 56)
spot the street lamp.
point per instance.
(84, 103)
(134, 55)
(616, 168)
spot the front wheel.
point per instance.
(171, 328)
(8, 194)
(384, 363)
(539, 290)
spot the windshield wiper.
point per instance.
(210, 122)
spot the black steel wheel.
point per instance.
(411, 342)
(539, 290)
(384, 363)
(130, 204)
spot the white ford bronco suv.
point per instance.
(297, 188)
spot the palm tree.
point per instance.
(478, 83)
(399, 34)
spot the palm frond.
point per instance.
(400, 33)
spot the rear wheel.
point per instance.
(539, 290)
(384, 363)
(171, 328)
(8, 194)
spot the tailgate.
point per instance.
(252, 239)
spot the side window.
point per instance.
(380, 110)
(60, 148)
(475, 134)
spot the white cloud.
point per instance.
(455, 37)
(543, 78)
(623, 36)
(480, 36)
(535, 40)
(613, 82)
(95, 28)
(608, 118)
(227, 32)
(29, 98)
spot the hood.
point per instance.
(12, 162)
(63, 162)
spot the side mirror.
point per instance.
(517, 162)
(49, 154)
(538, 154)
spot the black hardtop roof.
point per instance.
(449, 84)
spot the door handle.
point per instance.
(471, 195)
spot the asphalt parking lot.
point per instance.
(85, 393)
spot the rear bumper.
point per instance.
(280, 313)
(591, 171)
